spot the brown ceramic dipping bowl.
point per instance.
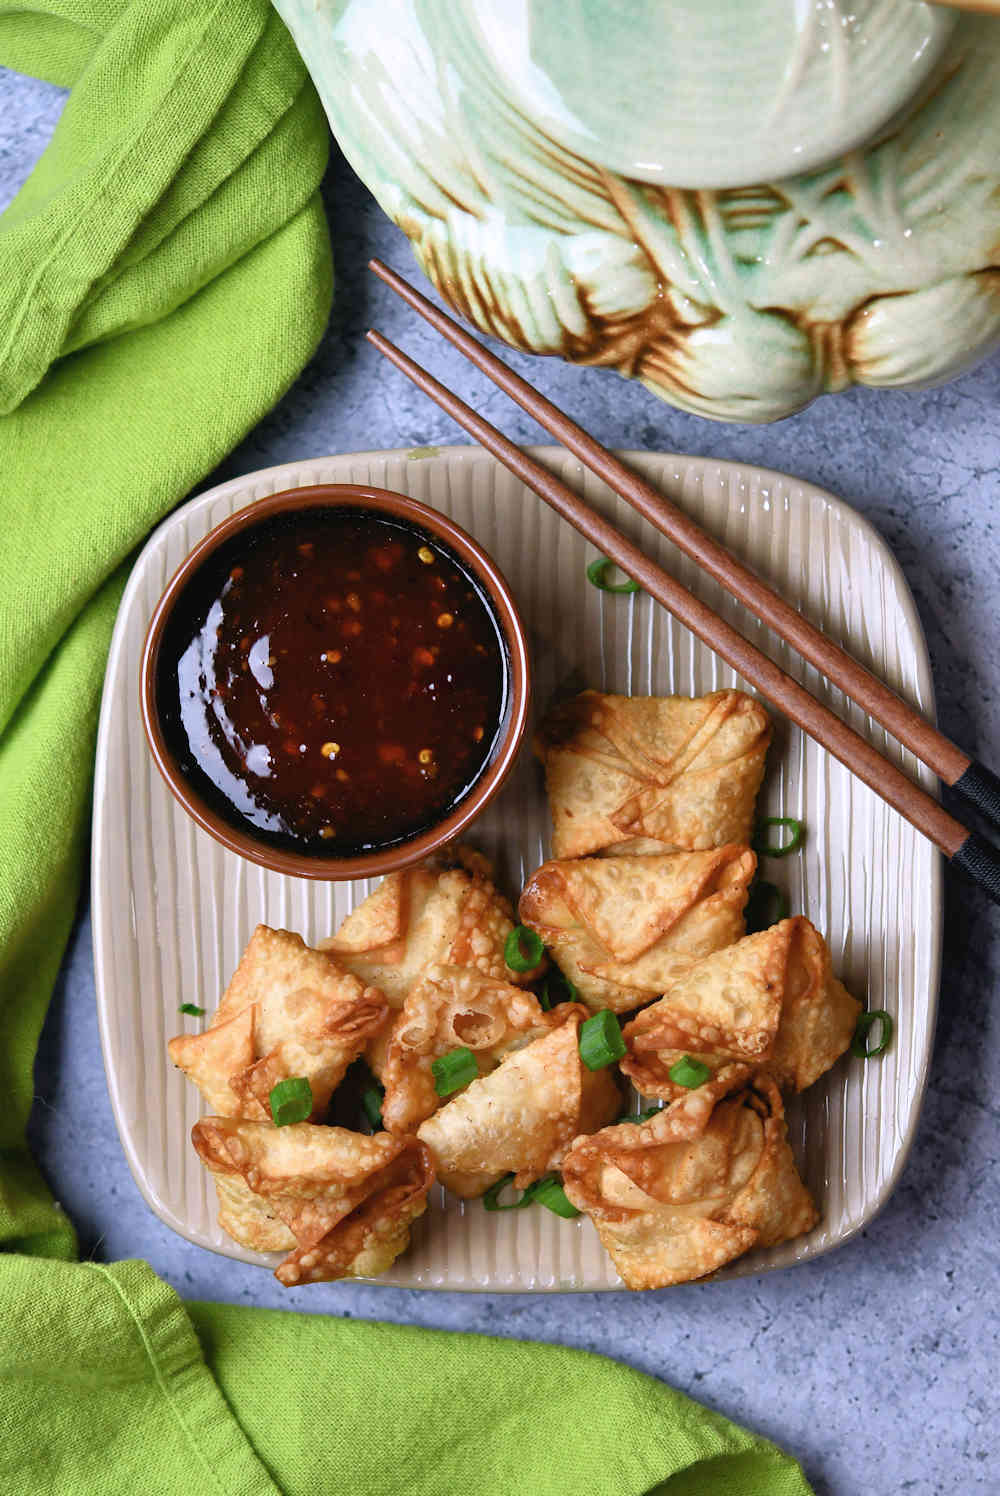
(372, 861)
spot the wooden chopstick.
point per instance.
(972, 780)
(964, 848)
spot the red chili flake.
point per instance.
(291, 747)
(334, 605)
(318, 703)
(236, 574)
(306, 548)
(423, 656)
(391, 753)
(385, 557)
(351, 628)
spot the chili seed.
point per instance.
(330, 750)
(326, 832)
(425, 756)
(445, 620)
(426, 555)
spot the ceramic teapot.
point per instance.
(742, 205)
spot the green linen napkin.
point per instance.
(164, 275)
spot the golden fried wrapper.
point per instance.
(652, 773)
(701, 1183)
(522, 1116)
(343, 1201)
(451, 1007)
(623, 929)
(771, 1000)
(427, 915)
(288, 1011)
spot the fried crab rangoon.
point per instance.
(342, 1202)
(701, 1183)
(451, 1007)
(522, 1116)
(623, 929)
(422, 916)
(652, 774)
(771, 1001)
(288, 1011)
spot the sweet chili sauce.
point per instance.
(335, 678)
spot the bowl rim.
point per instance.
(507, 617)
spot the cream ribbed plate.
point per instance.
(172, 910)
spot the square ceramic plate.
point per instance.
(173, 910)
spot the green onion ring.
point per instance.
(764, 849)
(601, 1041)
(597, 573)
(866, 1022)
(454, 1070)
(291, 1100)
(688, 1072)
(523, 949)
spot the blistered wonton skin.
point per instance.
(288, 1011)
(343, 1202)
(701, 1183)
(623, 929)
(770, 1000)
(451, 1007)
(652, 773)
(423, 915)
(522, 1116)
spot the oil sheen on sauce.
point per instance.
(332, 681)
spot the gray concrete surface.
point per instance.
(877, 1365)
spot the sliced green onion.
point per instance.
(651, 1111)
(557, 988)
(371, 1104)
(523, 949)
(546, 1191)
(291, 1100)
(866, 1022)
(764, 848)
(192, 1010)
(689, 1072)
(597, 574)
(550, 1193)
(454, 1070)
(766, 906)
(601, 1041)
(491, 1199)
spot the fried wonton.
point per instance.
(342, 1201)
(652, 773)
(451, 1007)
(423, 915)
(699, 1184)
(522, 1116)
(623, 929)
(288, 1011)
(771, 1000)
